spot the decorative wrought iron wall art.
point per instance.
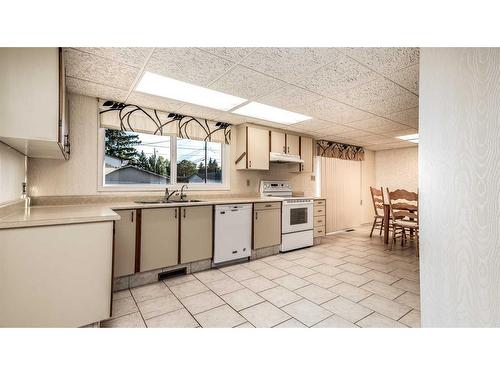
(331, 149)
(161, 123)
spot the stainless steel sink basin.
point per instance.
(161, 201)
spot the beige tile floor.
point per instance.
(349, 280)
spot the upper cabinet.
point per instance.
(292, 144)
(252, 148)
(306, 154)
(33, 102)
(278, 142)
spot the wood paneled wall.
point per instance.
(460, 187)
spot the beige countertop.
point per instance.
(56, 215)
(86, 213)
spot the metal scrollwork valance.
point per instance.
(131, 117)
(331, 149)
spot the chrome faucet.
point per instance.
(169, 195)
(182, 191)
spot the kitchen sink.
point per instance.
(165, 202)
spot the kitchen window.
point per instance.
(133, 161)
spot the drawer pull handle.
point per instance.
(268, 205)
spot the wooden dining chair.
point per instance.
(404, 214)
(378, 206)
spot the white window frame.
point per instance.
(101, 186)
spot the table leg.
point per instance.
(386, 223)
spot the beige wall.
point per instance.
(78, 176)
(397, 168)
(12, 174)
(460, 187)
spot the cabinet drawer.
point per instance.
(319, 221)
(320, 202)
(319, 211)
(267, 206)
(319, 231)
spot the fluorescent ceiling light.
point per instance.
(410, 137)
(270, 113)
(159, 85)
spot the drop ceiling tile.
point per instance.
(334, 129)
(289, 64)
(395, 103)
(234, 54)
(407, 77)
(246, 83)
(340, 75)
(311, 125)
(129, 56)
(188, 64)
(377, 125)
(385, 60)
(95, 90)
(408, 117)
(353, 134)
(377, 139)
(153, 102)
(97, 69)
(369, 92)
(333, 111)
(289, 97)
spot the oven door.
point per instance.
(297, 217)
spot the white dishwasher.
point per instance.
(233, 232)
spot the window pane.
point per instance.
(136, 158)
(199, 162)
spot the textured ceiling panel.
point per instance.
(130, 56)
(289, 64)
(246, 83)
(100, 70)
(385, 60)
(344, 73)
(377, 125)
(232, 54)
(87, 88)
(188, 64)
(289, 97)
(407, 77)
(331, 110)
(408, 117)
(392, 104)
(369, 93)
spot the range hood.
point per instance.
(277, 157)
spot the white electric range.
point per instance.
(296, 215)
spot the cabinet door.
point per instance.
(306, 154)
(258, 148)
(124, 262)
(196, 233)
(159, 238)
(266, 228)
(278, 141)
(292, 144)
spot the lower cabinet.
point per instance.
(196, 233)
(266, 225)
(124, 259)
(159, 238)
